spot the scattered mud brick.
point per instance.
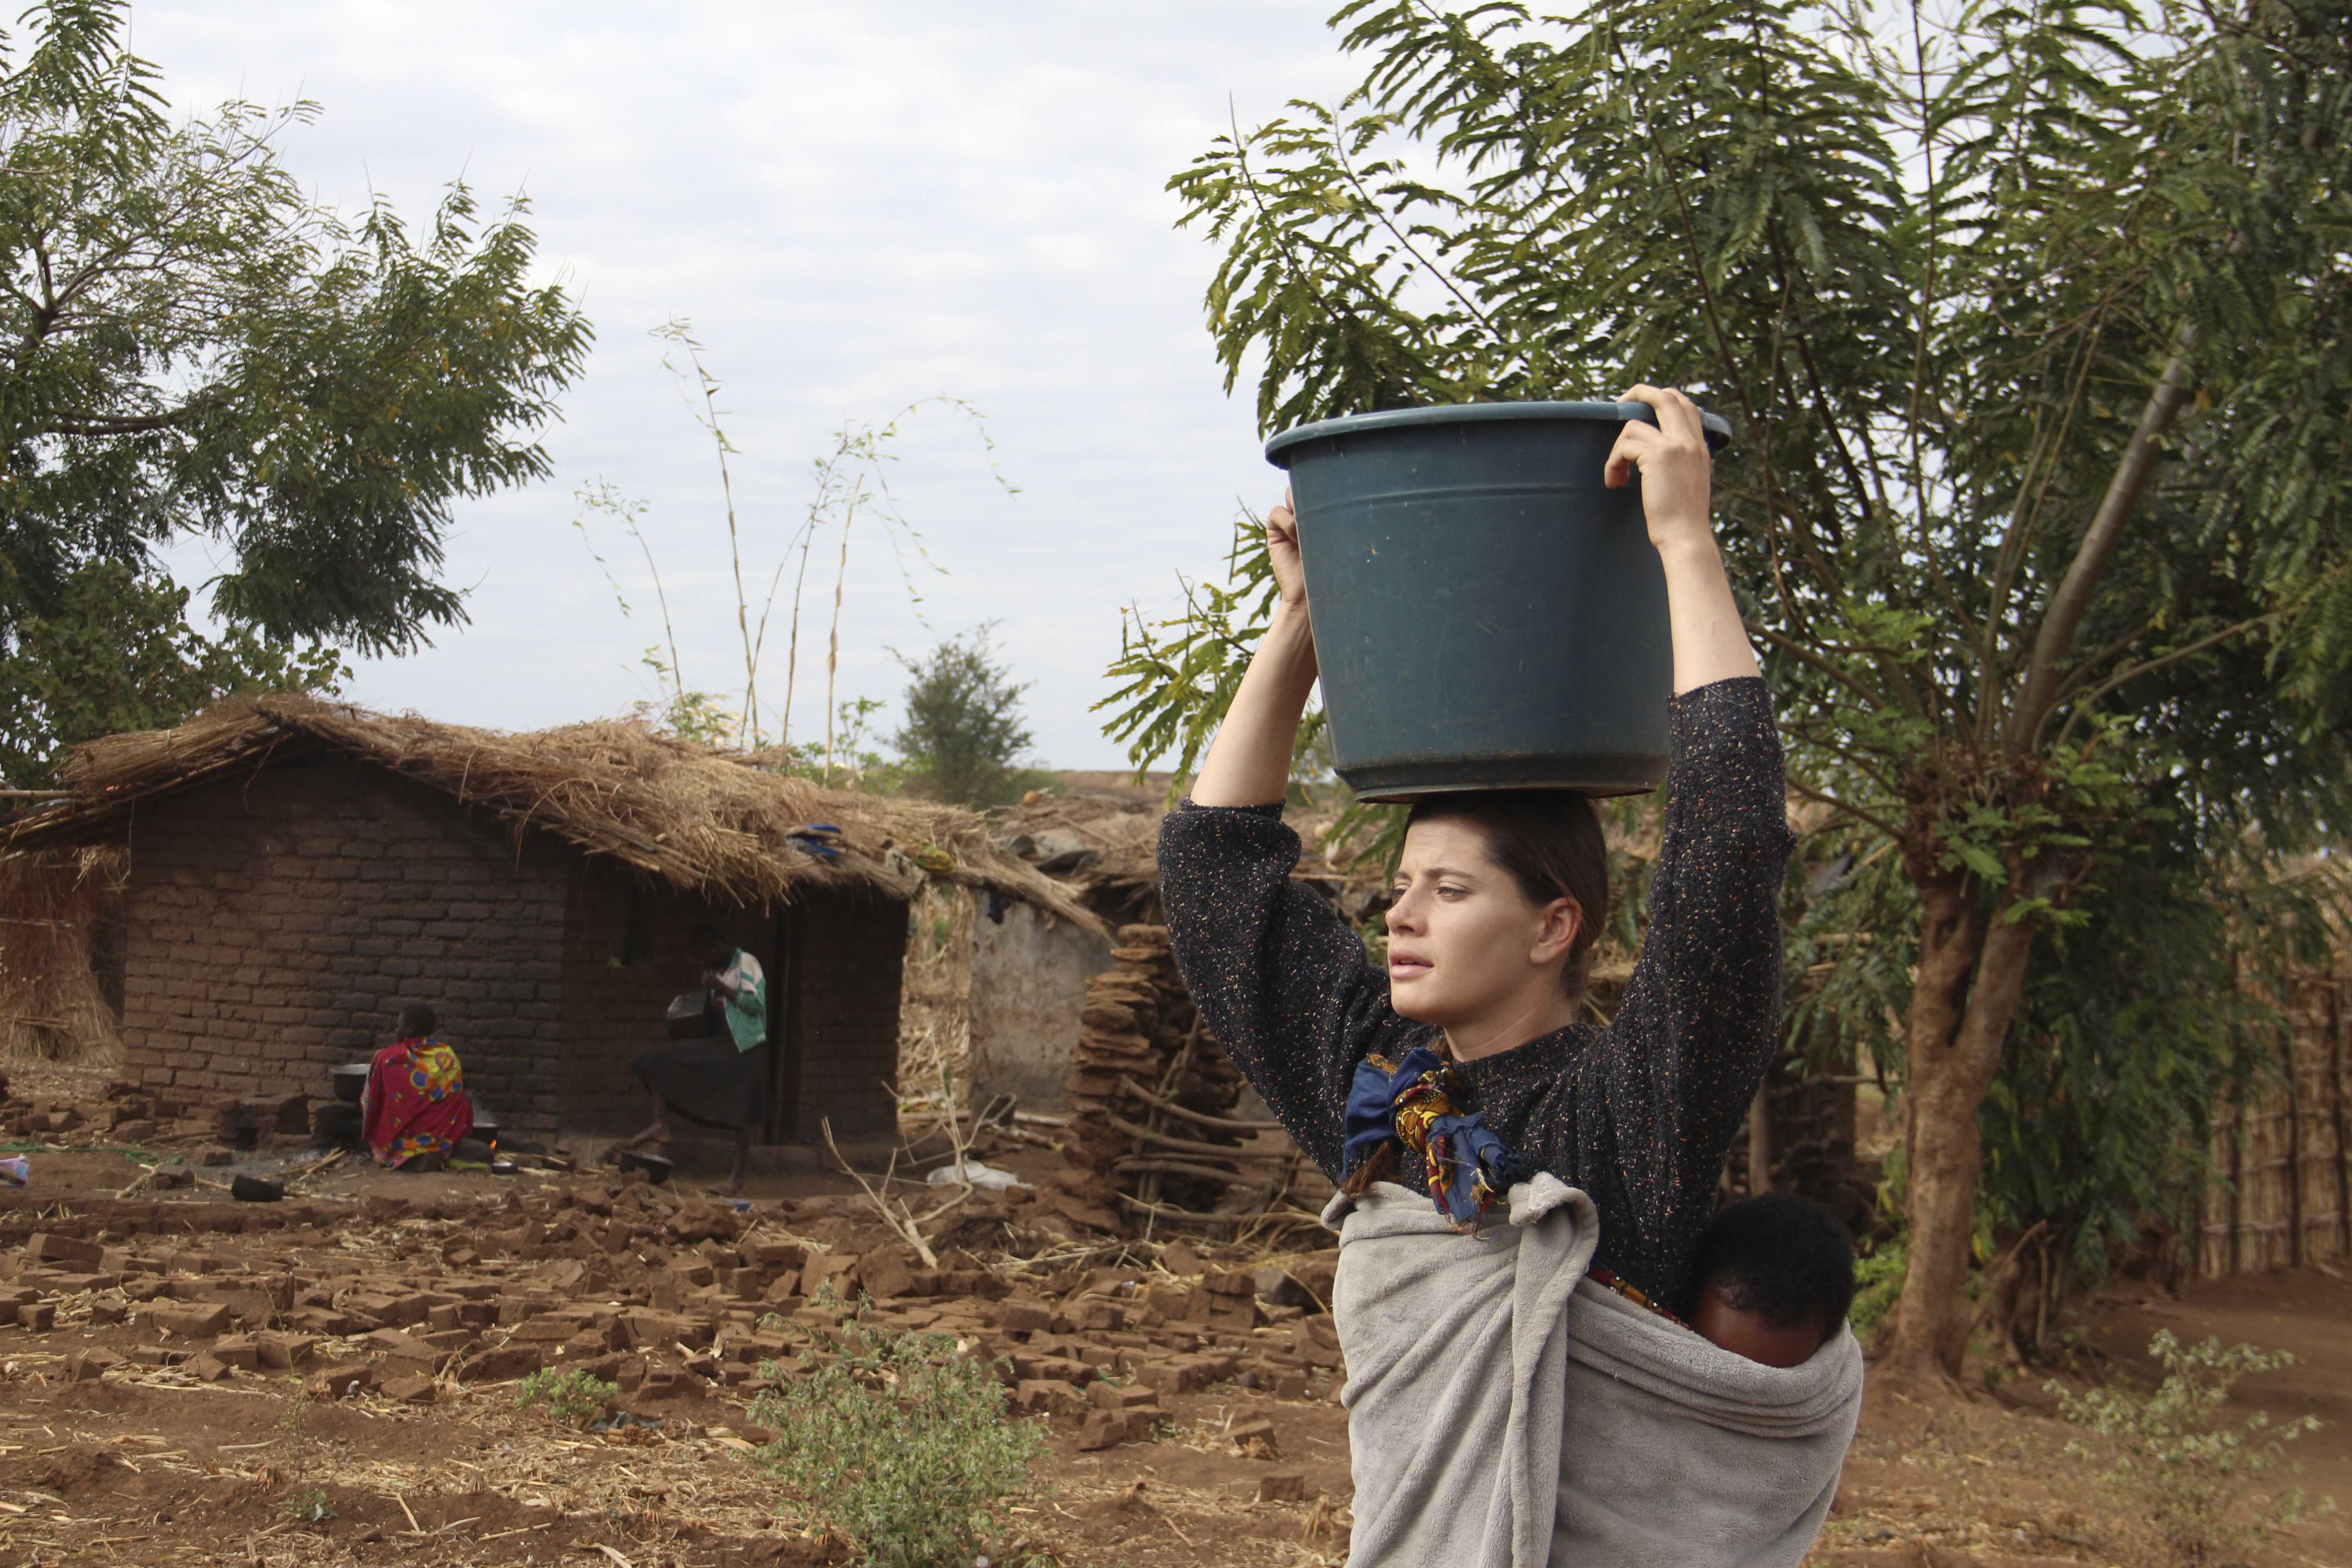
(195, 1322)
(88, 1365)
(1121, 1396)
(823, 1269)
(284, 1351)
(342, 1380)
(63, 1283)
(1024, 1318)
(38, 1318)
(407, 1388)
(1108, 1428)
(1282, 1485)
(564, 1277)
(49, 1248)
(1254, 1439)
(242, 1352)
(884, 1273)
(1316, 1342)
(107, 1309)
(206, 1365)
(1168, 1377)
(1293, 1385)
(403, 1352)
(547, 1327)
(788, 1255)
(322, 1320)
(1046, 1397)
(136, 1129)
(664, 1383)
(503, 1363)
(1097, 1317)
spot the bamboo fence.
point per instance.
(2280, 1195)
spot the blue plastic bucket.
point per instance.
(1487, 613)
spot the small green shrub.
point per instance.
(574, 1398)
(2191, 1478)
(308, 1506)
(1878, 1281)
(899, 1442)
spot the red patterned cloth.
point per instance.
(415, 1103)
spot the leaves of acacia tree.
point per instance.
(190, 344)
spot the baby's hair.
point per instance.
(1783, 1258)
(416, 1021)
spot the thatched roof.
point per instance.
(699, 819)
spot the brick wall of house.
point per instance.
(276, 921)
(627, 953)
(846, 954)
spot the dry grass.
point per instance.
(704, 820)
(935, 1003)
(52, 1006)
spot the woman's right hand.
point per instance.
(1249, 761)
(1282, 549)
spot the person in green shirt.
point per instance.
(720, 1080)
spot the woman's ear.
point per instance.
(1556, 935)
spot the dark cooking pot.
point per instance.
(350, 1080)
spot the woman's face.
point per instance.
(1464, 941)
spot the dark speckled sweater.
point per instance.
(1640, 1113)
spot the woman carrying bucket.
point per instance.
(1494, 1150)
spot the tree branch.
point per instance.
(2083, 705)
(2068, 605)
(1893, 833)
(124, 424)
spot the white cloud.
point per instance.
(858, 206)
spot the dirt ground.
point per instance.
(329, 1380)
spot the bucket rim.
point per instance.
(1719, 428)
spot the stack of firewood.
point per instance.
(1152, 1091)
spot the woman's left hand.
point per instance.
(1677, 474)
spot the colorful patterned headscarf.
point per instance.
(1410, 1103)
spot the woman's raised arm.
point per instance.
(1710, 644)
(1249, 761)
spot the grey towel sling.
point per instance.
(1505, 1412)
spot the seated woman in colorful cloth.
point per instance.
(415, 1108)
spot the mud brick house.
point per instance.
(299, 869)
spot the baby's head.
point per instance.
(1772, 1279)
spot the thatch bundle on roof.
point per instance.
(700, 819)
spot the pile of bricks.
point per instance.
(123, 1113)
(1142, 1049)
(662, 1297)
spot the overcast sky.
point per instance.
(857, 207)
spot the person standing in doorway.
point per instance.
(719, 1080)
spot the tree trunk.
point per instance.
(1970, 983)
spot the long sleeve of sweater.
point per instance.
(1639, 1113)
